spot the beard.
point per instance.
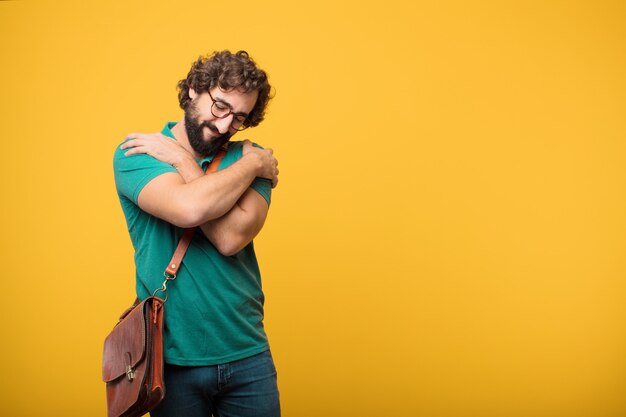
(195, 133)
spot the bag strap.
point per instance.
(172, 267)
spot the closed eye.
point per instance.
(222, 106)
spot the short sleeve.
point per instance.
(133, 172)
(264, 187)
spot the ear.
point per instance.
(192, 93)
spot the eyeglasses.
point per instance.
(222, 110)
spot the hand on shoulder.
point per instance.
(157, 145)
(268, 162)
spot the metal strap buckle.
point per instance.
(163, 288)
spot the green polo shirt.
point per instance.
(214, 313)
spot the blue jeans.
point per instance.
(242, 388)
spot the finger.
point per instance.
(143, 135)
(270, 150)
(135, 151)
(128, 144)
(132, 143)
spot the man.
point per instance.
(215, 349)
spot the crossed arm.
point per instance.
(222, 204)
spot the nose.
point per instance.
(224, 124)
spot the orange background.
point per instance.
(448, 235)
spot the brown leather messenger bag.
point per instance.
(132, 362)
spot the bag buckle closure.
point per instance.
(130, 372)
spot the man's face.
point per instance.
(206, 132)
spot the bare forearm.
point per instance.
(217, 230)
(224, 232)
(233, 231)
(190, 198)
(205, 198)
(216, 194)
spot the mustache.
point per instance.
(218, 141)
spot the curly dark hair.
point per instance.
(227, 71)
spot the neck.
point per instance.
(180, 133)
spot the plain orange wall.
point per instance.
(448, 236)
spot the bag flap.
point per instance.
(126, 344)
